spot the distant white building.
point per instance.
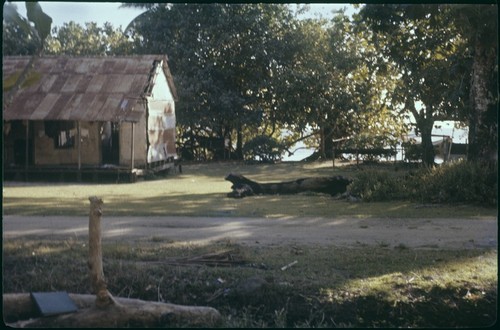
(445, 134)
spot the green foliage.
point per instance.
(17, 41)
(75, 39)
(252, 69)
(413, 151)
(42, 22)
(456, 182)
(428, 63)
(263, 148)
(223, 57)
(375, 185)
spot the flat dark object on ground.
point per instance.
(53, 303)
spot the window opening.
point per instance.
(62, 132)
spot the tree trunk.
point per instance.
(243, 187)
(425, 126)
(322, 152)
(239, 142)
(483, 135)
(424, 121)
(328, 141)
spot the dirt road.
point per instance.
(414, 233)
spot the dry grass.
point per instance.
(375, 286)
(201, 191)
(327, 287)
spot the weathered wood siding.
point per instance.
(140, 145)
(45, 152)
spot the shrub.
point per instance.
(373, 185)
(456, 182)
(413, 151)
(263, 148)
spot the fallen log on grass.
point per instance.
(243, 186)
(18, 308)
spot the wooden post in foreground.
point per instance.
(105, 311)
(103, 297)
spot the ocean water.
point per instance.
(299, 154)
(441, 128)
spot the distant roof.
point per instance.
(81, 88)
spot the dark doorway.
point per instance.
(18, 135)
(110, 143)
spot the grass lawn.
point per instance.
(328, 286)
(201, 191)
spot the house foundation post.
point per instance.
(26, 151)
(132, 152)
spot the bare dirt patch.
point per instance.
(344, 231)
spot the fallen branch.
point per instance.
(225, 258)
(289, 265)
(243, 186)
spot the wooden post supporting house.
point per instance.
(132, 152)
(26, 154)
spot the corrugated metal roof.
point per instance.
(82, 88)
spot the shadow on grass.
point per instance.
(286, 171)
(219, 205)
(293, 297)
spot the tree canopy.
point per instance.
(249, 70)
(421, 42)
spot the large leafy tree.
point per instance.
(222, 57)
(75, 39)
(306, 86)
(373, 119)
(423, 43)
(335, 87)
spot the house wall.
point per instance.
(161, 121)
(140, 146)
(45, 152)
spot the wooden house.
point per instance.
(88, 116)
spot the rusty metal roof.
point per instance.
(81, 88)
